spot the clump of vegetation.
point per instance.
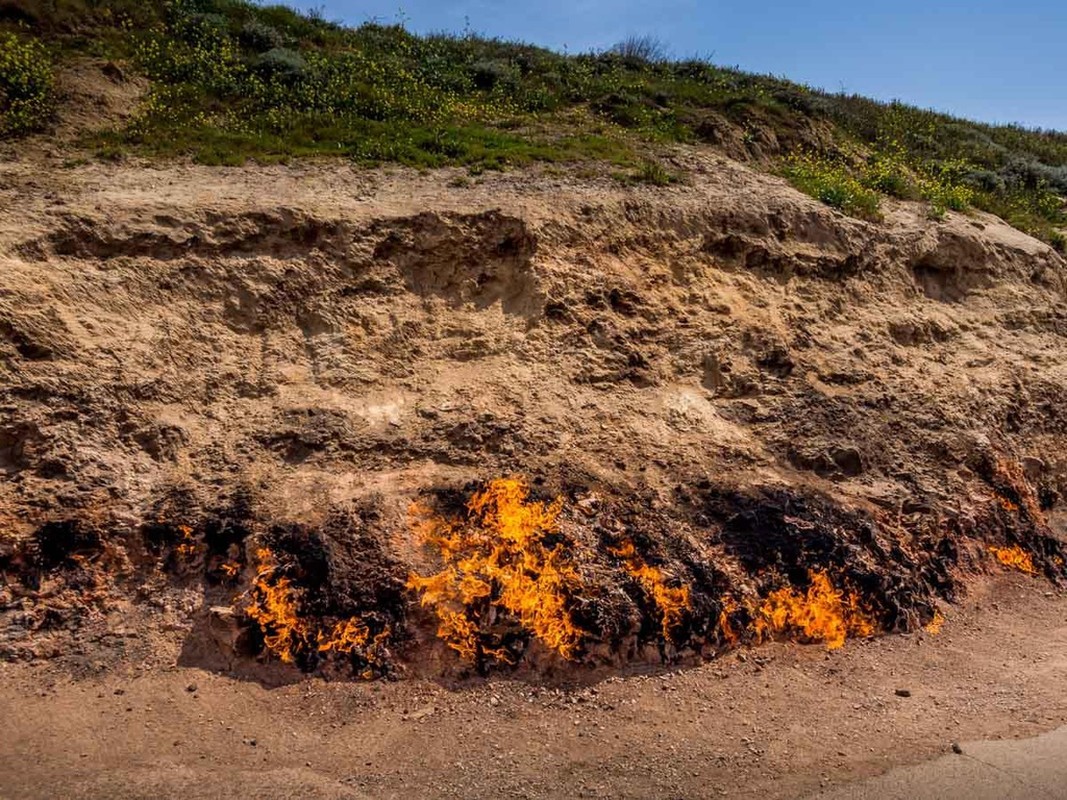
(647, 49)
(856, 187)
(27, 93)
(944, 187)
(832, 182)
(232, 80)
(1014, 172)
(649, 172)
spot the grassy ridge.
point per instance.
(233, 81)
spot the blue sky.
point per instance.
(994, 61)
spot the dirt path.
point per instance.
(780, 721)
(978, 771)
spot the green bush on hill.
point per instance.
(27, 97)
(833, 183)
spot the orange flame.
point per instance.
(188, 545)
(499, 558)
(821, 614)
(230, 568)
(672, 602)
(275, 607)
(933, 627)
(346, 636)
(1014, 557)
(730, 636)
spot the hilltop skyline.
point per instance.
(979, 60)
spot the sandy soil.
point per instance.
(779, 721)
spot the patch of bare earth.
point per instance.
(780, 721)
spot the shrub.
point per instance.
(944, 184)
(1029, 174)
(646, 49)
(489, 73)
(986, 180)
(650, 172)
(944, 196)
(832, 183)
(281, 63)
(889, 174)
(27, 93)
(260, 37)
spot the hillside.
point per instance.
(233, 81)
(559, 424)
(732, 389)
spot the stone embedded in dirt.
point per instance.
(1034, 467)
(589, 505)
(956, 748)
(113, 72)
(423, 713)
(848, 460)
(191, 688)
(903, 693)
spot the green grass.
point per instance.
(648, 172)
(233, 81)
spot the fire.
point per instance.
(275, 607)
(230, 569)
(188, 545)
(672, 602)
(730, 636)
(504, 556)
(346, 636)
(1014, 557)
(933, 627)
(821, 614)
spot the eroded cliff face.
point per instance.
(261, 417)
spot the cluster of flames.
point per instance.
(274, 605)
(1014, 557)
(506, 565)
(672, 601)
(188, 545)
(506, 561)
(506, 556)
(933, 627)
(821, 613)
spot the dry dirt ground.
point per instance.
(779, 721)
(741, 385)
